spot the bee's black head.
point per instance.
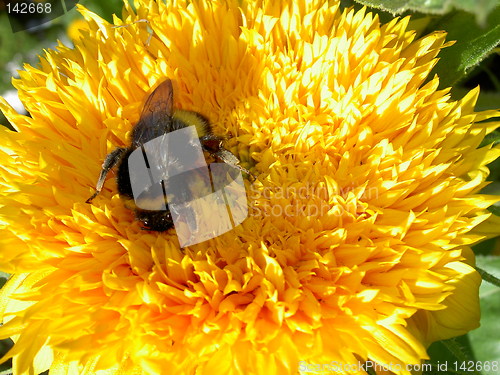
(158, 221)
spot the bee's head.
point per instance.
(212, 145)
(158, 221)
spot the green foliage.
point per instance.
(478, 351)
(480, 8)
(473, 25)
(495, 210)
(3, 278)
(485, 341)
(473, 44)
(5, 345)
(447, 356)
(24, 46)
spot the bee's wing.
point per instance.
(156, 115)
(160, 103)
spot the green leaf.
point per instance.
(485, 340)
(486, 100)
(5, 346)
(495, 210)
(494, 137)
(105, 9)
(3, 278)
(480, 8)
(494, 168)
(473, 44)
(485, 247)
(476, 352)
(445, 354)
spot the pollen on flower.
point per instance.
(356, 246)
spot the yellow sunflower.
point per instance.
(356, 247)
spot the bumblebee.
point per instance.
(158, 117)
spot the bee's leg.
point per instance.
(213, 145)
(228, 157)
(111, 160)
